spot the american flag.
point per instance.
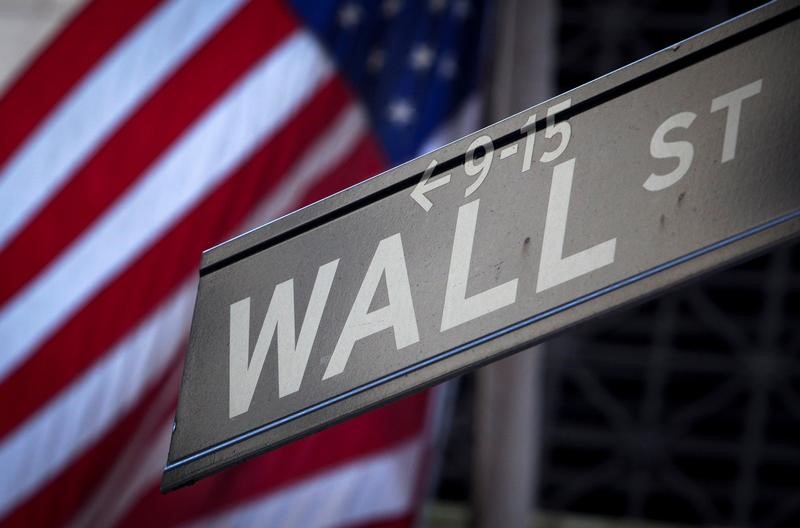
(143, 133)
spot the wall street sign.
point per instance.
(647, 177)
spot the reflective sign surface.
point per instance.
(645, 178)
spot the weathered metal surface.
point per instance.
(645, 178)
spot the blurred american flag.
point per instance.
(144, 133)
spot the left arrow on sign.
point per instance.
(424, 185)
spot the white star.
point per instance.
(349, 15)
(376, 60)
(391, 7)
(421, 57)
(462, 8)
(448, 67)
(437, 5)
(401, 112)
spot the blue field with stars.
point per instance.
(412, 63)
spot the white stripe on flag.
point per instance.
(98, 105)
(325, 154)
(136, 471)
(54, 436)
(464, 121)
(336, 497)
(198, 162)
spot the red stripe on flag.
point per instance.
(118, 307)
(371, 433)
(366, 158)
(57, 501)
(62, 64)
(224, 58)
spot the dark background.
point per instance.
(685, 409)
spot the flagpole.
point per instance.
(508, 403)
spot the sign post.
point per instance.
(508, 394)
(643, 179)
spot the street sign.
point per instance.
(661, 171)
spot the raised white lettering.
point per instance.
(683, 150)
(555, 269)
(398, 315)
(733, 102)
(458, 308)
(292, 357)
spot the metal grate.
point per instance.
(685, 409)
